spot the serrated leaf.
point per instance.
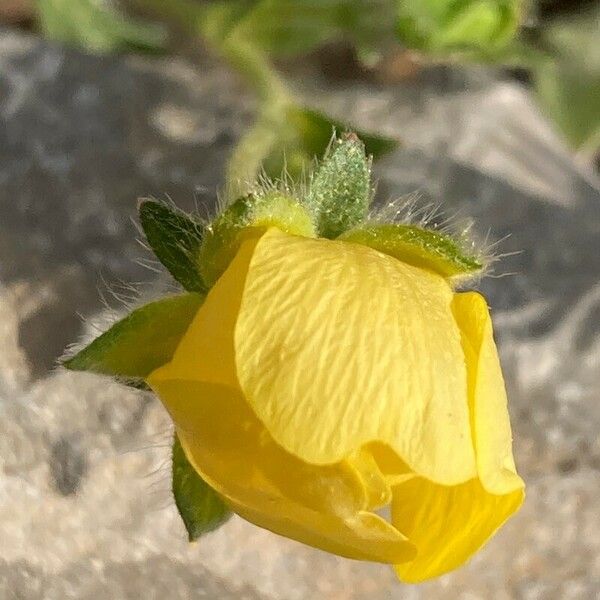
(340, 189)
(175, 238)
(97, 26)
(419, 247)
(200, 507)
(141, 342)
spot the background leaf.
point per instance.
(141, 342)
(200, 507)
(477, 27)
(175, 238)
(287, 28)
(307, 134)
(97, 26)
(568, 86)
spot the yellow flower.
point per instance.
(322, 380)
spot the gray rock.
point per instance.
(85, 505)
(82, 138)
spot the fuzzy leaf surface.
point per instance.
(141, 342)
(175, 238)
(340, 189)
(419, 247)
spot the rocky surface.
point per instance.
(85, 508)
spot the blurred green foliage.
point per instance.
(568, 83)
(253, 35)
(286, 28)
(98, 26)
(475, 27)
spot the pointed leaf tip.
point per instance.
(340, 189)
(199, 506)
(175, 239)
(141, 342)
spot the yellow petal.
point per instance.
(319, 505)
(446, 524)
(338, 345)
(377, 486)
(223, 439)
(489, 412)
(450, 523)
(206, 351)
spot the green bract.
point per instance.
(175, 238)
(200, 507)
(223, 237)
(340, 189)
(145, 339)
(419, 247)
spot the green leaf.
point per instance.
(141, 342)
(200, 507)
(225, 234)
(568, 84)
(175, 238)
(440, 27)
(419, 247)
(97, 26)
(340, 189)
(219, 19)
(287, 28)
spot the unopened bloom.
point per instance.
(322, 380)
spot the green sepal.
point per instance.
(340, 189)
(224, 235)
(175, 238)
(141, 342)
(419, 247)
(200, 507)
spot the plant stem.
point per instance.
(256, 144)
(218, 29)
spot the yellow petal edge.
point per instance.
(448, 524)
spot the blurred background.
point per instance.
(490, 110)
